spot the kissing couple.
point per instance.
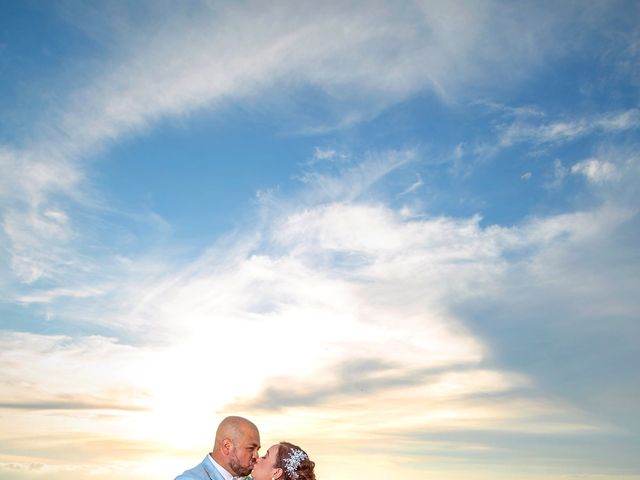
(235, 456)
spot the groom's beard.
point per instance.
(240, 470)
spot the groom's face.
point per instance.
(244, 453)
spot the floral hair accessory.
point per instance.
(292, 462)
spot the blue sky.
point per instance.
(403, 235)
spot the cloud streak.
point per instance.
(68, 405)
(359, 61)
(566, 131)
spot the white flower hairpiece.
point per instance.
(292, 462)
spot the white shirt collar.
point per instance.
(226, 475)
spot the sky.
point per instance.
(402, 235)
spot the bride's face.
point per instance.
(264, 468)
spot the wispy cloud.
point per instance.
(566, 131)
(595, 170)
(359, 60)
(413, 187)
(540, 131)
(352, 378)
(349, 180)
(70, 404)
(58, 457)
(36, 373)
(518, 112)
(324, 280)
(382, 265)
(47, 296)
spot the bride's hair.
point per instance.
(294, 462)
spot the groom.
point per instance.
(234, 453)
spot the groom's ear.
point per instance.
(277, 473)
(226, 445)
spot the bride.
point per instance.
(284, 461)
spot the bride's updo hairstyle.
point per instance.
(294, 462)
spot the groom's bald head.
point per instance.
(234, 428)
(236, 445)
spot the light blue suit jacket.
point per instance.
(203, 471)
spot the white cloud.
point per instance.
(359, 59)
(352, 52)
(35, 174)
(360, 278)
(568, 130)
(327, 283)
(595, 170)
(47, 296)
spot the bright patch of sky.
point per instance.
(408, 229)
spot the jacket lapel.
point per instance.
(213, 473)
